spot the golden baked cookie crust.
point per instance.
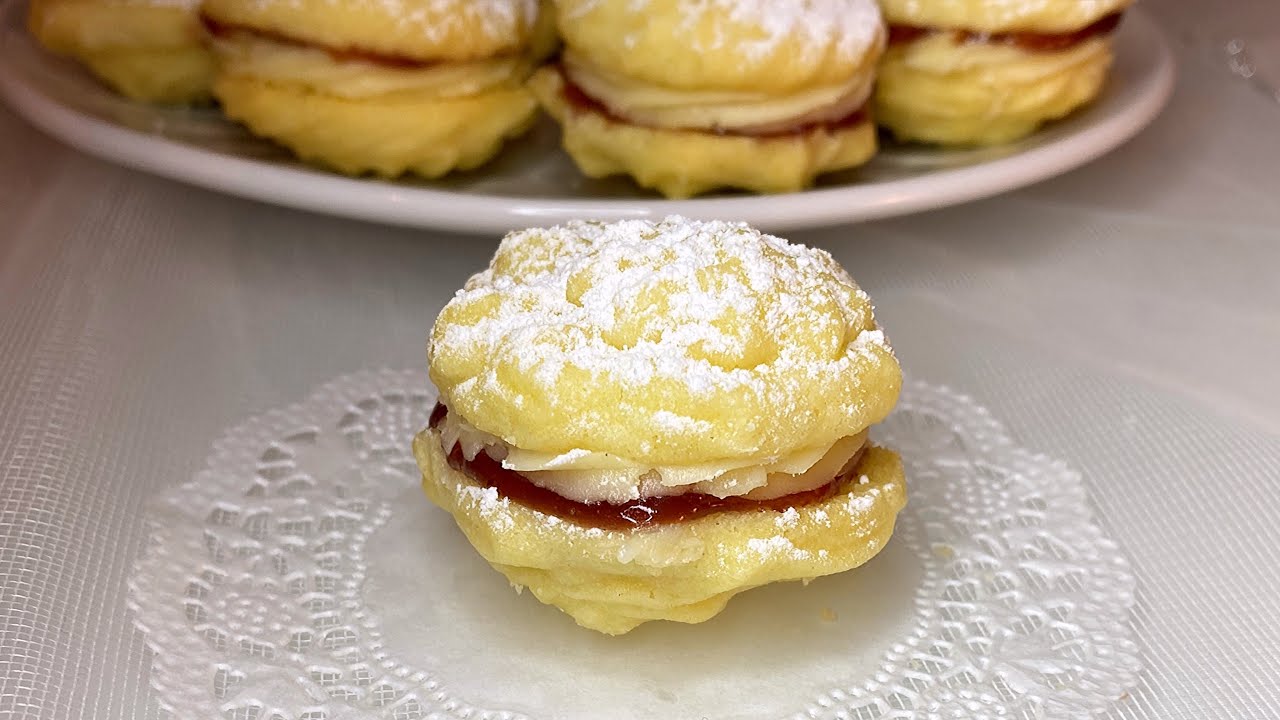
(168, 76)
(147, 52)
(428, 30)
(101, 25)
(1042, 16)
(389, 136)
(764, 45)
(936, 90)
(664, 343)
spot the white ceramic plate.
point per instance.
(533, 182)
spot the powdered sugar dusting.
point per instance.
(776, 546)
(861, 502)
(501, 513)
(788, 518)
(679, 423)
(849, 27)
(711, 306)
(435, 19)
(492, 507)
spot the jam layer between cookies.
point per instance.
(1030, 41)
(639, 513)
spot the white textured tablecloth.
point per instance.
(1125, 318)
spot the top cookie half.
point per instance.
(999, 16)
(757, 45)
(421, 30)
(668, 343)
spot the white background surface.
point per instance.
(1125, 318)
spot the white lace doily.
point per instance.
(303, 576)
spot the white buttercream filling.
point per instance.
(590, 476)
(738, 110)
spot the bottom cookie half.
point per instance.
(682, 163)
(612, 581)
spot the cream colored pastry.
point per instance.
(428, 30)
(426, 88)
(749, 110)
(983, 72)
(689, 96)
(750, 45)
(591, 476)
(147, 51)
(683, 163)
(626, 365)
(996, 16)
(933, 90)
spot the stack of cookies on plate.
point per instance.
(683, 96)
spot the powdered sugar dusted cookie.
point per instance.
(725, 44)
(423, 30)
(688, 96)
(385, 87)
(639, 420)
(981, 72)
(147, 50)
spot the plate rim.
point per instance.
(484, 213)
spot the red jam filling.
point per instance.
(219, 29)
(626, 516)
(580, 100)
(1031, 41)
